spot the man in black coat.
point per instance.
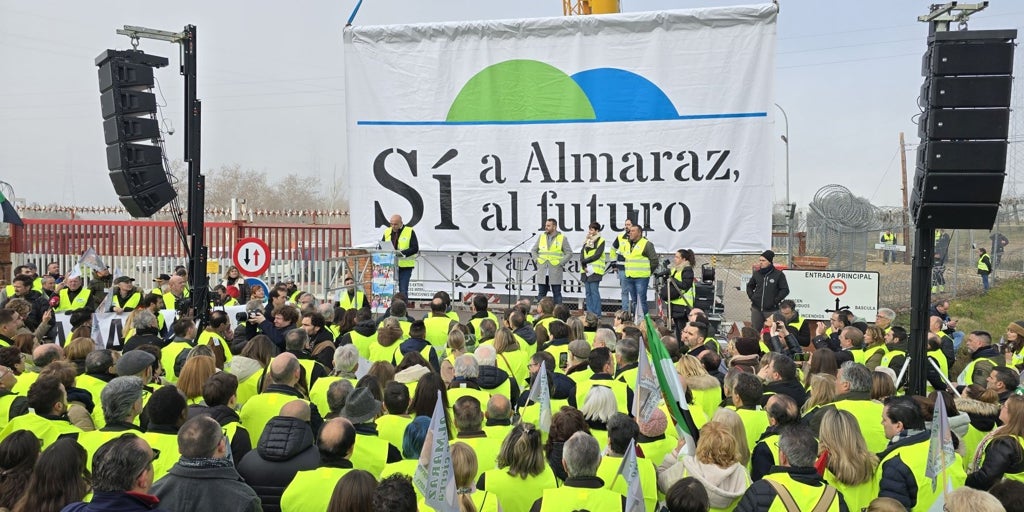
(766, 289)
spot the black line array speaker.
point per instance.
(965, 119)
(130, 129)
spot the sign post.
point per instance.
(251, 256)
(819, 292)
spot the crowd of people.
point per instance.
(310, 405)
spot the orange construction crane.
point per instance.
(581, 7)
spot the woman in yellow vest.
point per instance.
(194, 374)
(1014, 347)
(849, 465)
(982, 407)
(465, 466)
(456, 347)
(387, 343)
(874, 347)
(354, 491)
(714, 464)
(592, 263)
(510, 355)
(822, 392)
(679, 290)
(822, 360)
(522, 473)
(1001, 454)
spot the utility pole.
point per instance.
(906, 208)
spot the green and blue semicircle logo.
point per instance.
(525, 91)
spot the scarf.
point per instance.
(204, 463)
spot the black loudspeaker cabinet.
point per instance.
(704, 297)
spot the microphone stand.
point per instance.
(508, 254)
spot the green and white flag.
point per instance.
(675, 395)
(541, 395)
(7, 212)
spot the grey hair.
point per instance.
(582, 455)
(607, 336)
(888, 313)
(118, 463)
(486, 355)
(798, 444)
(296, 339)
(99, 361)
(856, 375)
(327, 310)
(144, 318)
(337, 394)
(467, 367)
(599, 404)
(628, 349)
(119, 396)
(346, 357)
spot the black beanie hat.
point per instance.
(768, 255)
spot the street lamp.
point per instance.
(789, 221)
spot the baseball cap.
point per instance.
(123, 279)
(162, 277)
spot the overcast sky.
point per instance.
(272, 83)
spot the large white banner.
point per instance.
(476, 132)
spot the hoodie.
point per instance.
(411, 374)
(285, 448)
(243, 367)
(527, 333)
(723, 485)
(417, 345)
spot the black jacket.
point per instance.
(527, 333)
(1003, 456)
(792, 388)
(766, 288)
(39, 304)
(365, 328)
(285, 448)
(19, 405)
(761, 494)
(143, 336)
(491, 377)
(898, 481)
(215, 488)
(562, 388)
(761, 458)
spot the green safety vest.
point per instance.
(169, 354)
(566, 498)
(599, 264)
(475, 322)
(561, 355)
(609, 467)
(47, 431)
(888, 238)
(985, 263)
(755, 422)
(37, 285)
(437, 330)
(81, 300)
(131, 302)
(6, 402)
(370, 453)
(169, 455)
(686, 297)
(93, 439)
(637, 265)
(215, 340)
(516, 493)
(806, 496)
(968, 372)
(318, 392)
(170, 300)
(486, 449)
(391, 428)
(404, 241)
(259, 410)
(347, 302)
(308, 490)
(890, 355)
(868, 413)
(553, 254)
(363, 342)
(619, 389)
(915, 456)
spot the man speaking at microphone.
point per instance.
(403, 240)
(550, 251)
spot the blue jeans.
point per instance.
(625, 290)
(404, 276)
(593, 289)
(637, 288)
(543, 288)
(984, 281)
